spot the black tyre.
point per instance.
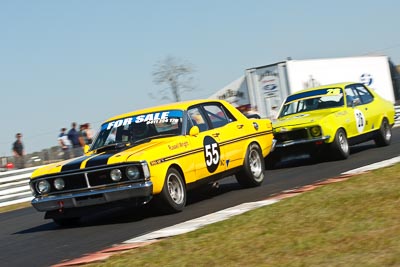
(173, 195)
(67, 222)
(272, 160)
(253, 168)
(384, 134)
(340, 146)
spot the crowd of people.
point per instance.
(73, 141)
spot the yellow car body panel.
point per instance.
(353, 107)
(214, 152)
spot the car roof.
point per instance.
(177, 106)
(341, 85)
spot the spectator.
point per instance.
(65, 143)
(76, 141)
(19, 152)
(82, 135)
(89, 133)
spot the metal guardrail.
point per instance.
(14, 185)
(397, 115)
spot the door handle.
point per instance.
(239, 126)
(215, 134)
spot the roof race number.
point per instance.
(212, 153)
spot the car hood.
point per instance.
(302, 119)
(144, 151)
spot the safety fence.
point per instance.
(397, 116)
(14, 185)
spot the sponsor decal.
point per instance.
(158, 161)
(270, 87)
(178, 145)
(231, 93)
(366, 79)
(171, 116)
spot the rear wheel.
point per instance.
(173, 195)
(384, 135)
(253, 168)
(340, 146)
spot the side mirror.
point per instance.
(194, 131)
(86, 149)
(356, 102)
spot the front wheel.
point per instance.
(253, 168)
(173, 195)
(340, 146)
(384, 135)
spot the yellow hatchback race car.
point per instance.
(326, 120)
(158, 153)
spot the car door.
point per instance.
(356, 118)
(230, 133)
(372, 114)
(207, 152)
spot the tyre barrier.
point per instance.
(14, 185)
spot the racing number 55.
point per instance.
(212, 153)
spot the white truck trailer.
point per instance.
(262, 89)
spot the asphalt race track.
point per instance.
(26, 239)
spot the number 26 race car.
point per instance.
(155, 154)
(326, 120)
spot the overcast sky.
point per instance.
(85, 61)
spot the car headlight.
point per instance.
(43, 187)
(132, 172)
(116, 175)
(59, 183)
(315, 131)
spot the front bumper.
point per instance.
(93, 197)
(301, 141)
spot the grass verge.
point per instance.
(15, 207)
(352, 223)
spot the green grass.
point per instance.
(352, 223)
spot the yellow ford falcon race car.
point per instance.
(158, 153)
(326, 120)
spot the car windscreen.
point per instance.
(132, 129)
(312, 100)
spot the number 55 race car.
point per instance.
(326, 120)
(155, 154)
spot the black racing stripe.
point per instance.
(74, 165)
(194, 151)
(99, 160)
